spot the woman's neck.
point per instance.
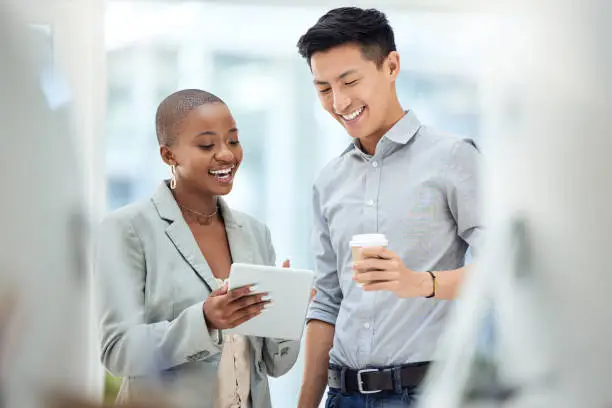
(195, 201)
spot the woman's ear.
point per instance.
(167, 155)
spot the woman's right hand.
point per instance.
(225, 309)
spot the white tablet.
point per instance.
(288, 288)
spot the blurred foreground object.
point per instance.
(69, 401)
(534, 328)
(43, 239)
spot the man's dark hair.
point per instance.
(175, 108)
(368, 28)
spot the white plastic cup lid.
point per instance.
(369, 240)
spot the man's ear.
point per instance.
(393, 65)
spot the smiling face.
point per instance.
(206, 152)
(356, 91)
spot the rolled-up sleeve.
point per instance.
(463, 176)
(325, 305)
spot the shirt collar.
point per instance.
(402, 132)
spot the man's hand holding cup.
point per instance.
(377, 268)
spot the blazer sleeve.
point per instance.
(129, 345)
(278, 354)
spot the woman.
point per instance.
(160, 266)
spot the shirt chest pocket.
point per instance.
(419, 213)
(424, 209)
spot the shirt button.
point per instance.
(370, 202)
(375, 164)
(366, 325)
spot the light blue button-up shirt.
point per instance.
(420, 189)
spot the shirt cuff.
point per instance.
(323, 315)
(201, 342)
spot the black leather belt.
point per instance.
(374, 380)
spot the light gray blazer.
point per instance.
(151, 280)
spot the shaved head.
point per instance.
(175, 108)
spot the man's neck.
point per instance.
(369, 143)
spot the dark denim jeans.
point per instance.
(385, 399)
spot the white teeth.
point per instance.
(353, 115)
(222, 172)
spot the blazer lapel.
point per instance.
(240, 243)
(181, 236)
(241, 246)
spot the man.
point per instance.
(398, 178)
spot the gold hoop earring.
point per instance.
(173, 179)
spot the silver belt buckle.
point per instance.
(360, 380)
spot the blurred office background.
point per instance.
(466, 70)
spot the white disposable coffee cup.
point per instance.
(366, 241)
